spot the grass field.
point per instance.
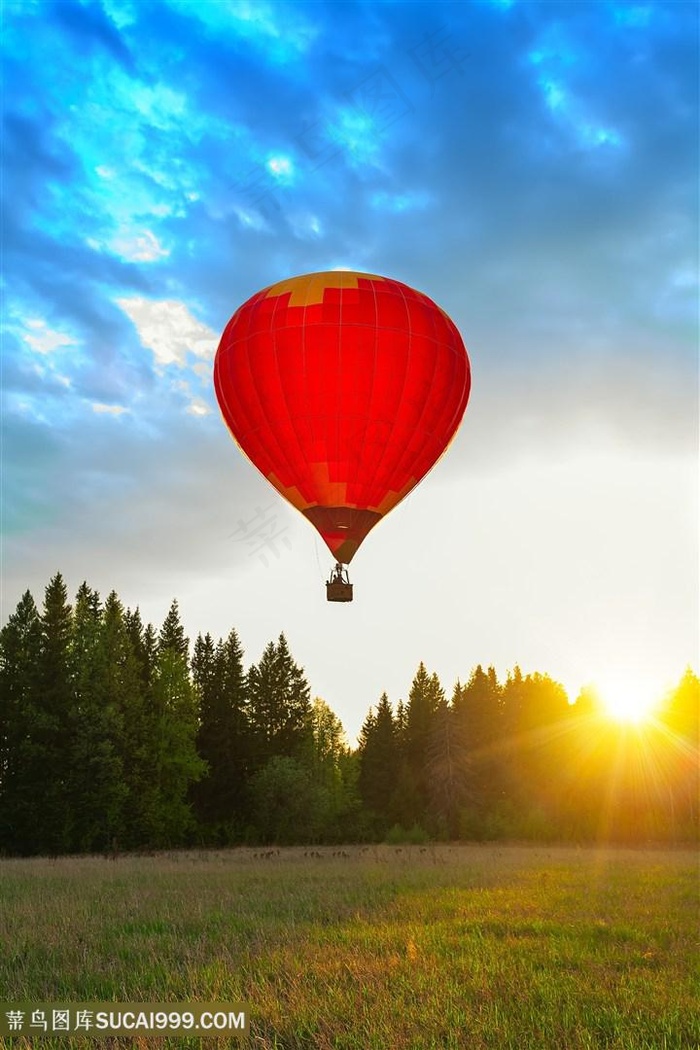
(460, 947)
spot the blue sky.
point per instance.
(530, 166)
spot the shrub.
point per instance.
(399, 836)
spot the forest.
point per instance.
(115, 736)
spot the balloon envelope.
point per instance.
(343, 389)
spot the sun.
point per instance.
(627, 699)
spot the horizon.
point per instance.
(618, 704)
(531, 167)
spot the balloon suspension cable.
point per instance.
(318, 560)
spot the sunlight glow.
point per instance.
(627, 699)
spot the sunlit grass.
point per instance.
(412, 947)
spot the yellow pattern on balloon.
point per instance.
(310, 288)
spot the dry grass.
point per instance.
(388, 948)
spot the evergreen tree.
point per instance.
(449, 771)
(513, 702)
(284, 801)
(423, 699)
(379, 764)
(279, 705)
(85, 632)
(587, 704)
(477, 708)
(137, 649)
(174, 718)
(104, 733)
(546, 703)
(99, 653)
(436, 692)
(328, 749)
(144, 645)
(204, 670)
(350, 823)
(21, 756)
(681, 710)
(172, 634)
(223, 739)
(537, 722)
(679, 727)
(400, 724)
(54, 720)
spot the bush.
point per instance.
(536, 826)
(399, 836)
(471, 825)
(501, 822)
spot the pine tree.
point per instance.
(144, 644)
(223, 739)
(423, 699)
(679, 726)
(89, 679)
(478, 706)
(681, 710)
(478, 724)
(54, 719)
(449, 771)
(204, 669)
(100, 648)
(513, 702)
(174, 719)
(537, 720)
(21, 758)
(400, 723)
(172, 634)
(279, 705)
(379, 765)
(140, 733)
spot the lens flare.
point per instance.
(627, 699)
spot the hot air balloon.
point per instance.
(343, 389)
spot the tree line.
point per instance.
(115, 736)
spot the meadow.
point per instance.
(357, 948)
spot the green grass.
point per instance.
(462, 947)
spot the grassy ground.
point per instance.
(462, 947)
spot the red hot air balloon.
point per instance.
(343, 389)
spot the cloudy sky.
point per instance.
(531, 166)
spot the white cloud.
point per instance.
(168, 329)
(142, 247)
(305, 225)
(203, 370)
(159, 104)
(281, 167)
(45, 340)
(251, 218)
(198, 407)
(122, 14)
(358, 133)
(111, 410)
